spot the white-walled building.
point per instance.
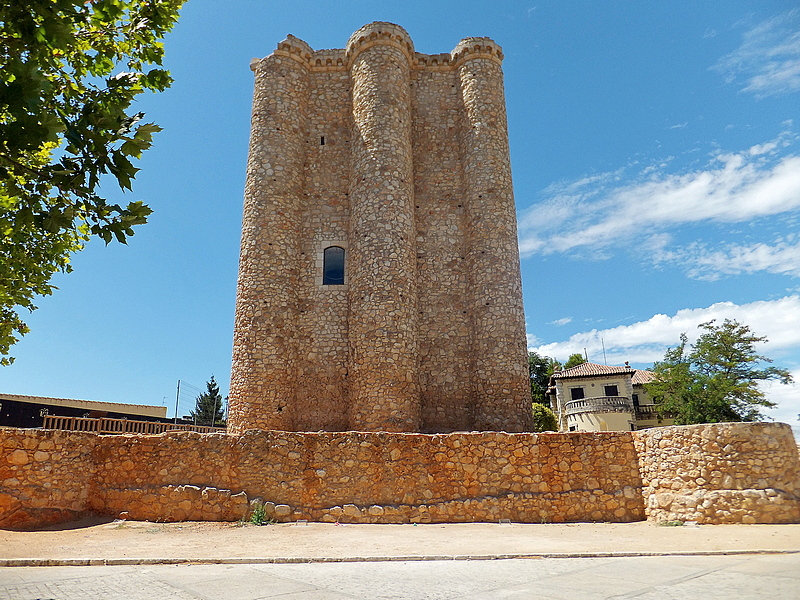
(593, 397)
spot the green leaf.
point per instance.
(61, 132)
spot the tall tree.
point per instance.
(208, 409)
(717, 379)
(71, 69)
(540, 369)
(574, 360)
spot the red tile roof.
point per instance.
(641, 377)
(638, 376)
(588, 369)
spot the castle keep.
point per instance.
(379, 285)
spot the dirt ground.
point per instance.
(103, 539)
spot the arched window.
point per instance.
(333, 266)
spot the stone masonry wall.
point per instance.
(51, 476)
(722, 473)
(400, 158)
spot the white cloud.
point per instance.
(610, 210)
(646, 341)
(788, 399)
(782, 258)
(562, 321)
(768, 59)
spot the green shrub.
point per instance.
(543, 418)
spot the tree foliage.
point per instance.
(716, 380)
(544, 419)
(70, 71)
(208, 409)
(540, 369)
(574, 360)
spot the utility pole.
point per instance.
(177, 397)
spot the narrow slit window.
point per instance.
(333, 266)
(322, 140)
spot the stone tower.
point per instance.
(379, 284)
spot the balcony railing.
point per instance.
(599, 404)
(113, 426)
(650, 411)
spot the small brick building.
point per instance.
(379, 284)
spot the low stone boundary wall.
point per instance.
(720, 473)
(712, 473)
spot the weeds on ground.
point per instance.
(259, 516)
(670, 523)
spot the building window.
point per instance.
(611, 390)
(635, 398)
(333, 266)
(573, 427)
(576, 393)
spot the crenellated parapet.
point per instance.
(379, 32)
(434, 62)
(389, 34)
(294, 47)
(328, 60)
(476, 47)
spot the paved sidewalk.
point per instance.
(142, 542)
(743, 577)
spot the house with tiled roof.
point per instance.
(594, 397)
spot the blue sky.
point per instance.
(656, 160)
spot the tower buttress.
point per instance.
(263, 382)
(502, 390)
(382, 290)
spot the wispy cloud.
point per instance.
(646, 341)
(768, 60)
(782, 258)
(562, 321)
(609, 210)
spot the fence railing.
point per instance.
(650, 411)
(114, 426)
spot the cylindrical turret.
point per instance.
(382, 282)
(502, 387)
(263, 383)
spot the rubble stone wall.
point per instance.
(720, 473)
(357, 477)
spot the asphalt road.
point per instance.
(723, 577)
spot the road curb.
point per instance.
(238, 560)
